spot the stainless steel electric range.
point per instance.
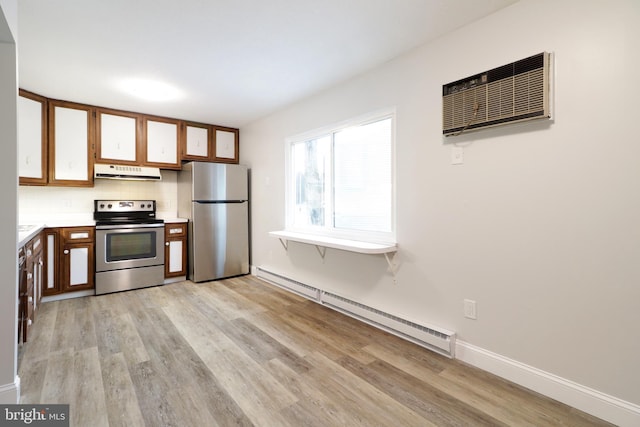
(129, 245)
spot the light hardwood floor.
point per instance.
(243, 352)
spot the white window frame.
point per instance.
(329, 230)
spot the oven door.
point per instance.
(121, 247)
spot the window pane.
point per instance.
(363, 177)
(310, 172)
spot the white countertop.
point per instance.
(174, 219)
(26, 232)
(29, 227)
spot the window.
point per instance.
(341, 180)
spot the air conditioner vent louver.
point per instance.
(511, 93)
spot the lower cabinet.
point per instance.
(175, 249)
(22, 293)
(71, 250)
(35, 267)
(31, 263)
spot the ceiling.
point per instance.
(229, 61)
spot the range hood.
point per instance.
(139, 173)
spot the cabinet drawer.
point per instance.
(175, 229)
(36, 245)
(78, 234)
(28, 250)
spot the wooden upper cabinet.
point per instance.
(32, 138)
(196, 141)
(118, 136)
(59, 141)
(162, 137)
(226, 142)
(71, 144)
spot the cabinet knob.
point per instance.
(66, 251)
(166, 243)
(29, 322)
(30, 299)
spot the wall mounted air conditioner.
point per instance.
(511, 93)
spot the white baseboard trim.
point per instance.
(69, 295)
(174, 280)
(10, 393)
(598, 404)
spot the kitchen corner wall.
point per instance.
(9, 380)
(74, 203)
(540, 225)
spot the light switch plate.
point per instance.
(457, 155)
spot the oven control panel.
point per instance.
(125, 205)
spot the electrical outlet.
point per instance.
(470, 309)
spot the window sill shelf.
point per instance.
(331, 242)
(322, 243)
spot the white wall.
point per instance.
(74, 203)
(9, 382)
(539, 225)
(9, 29)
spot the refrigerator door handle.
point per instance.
(219, 201)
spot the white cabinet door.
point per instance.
(117, 138)
(225, 144)
(70, 140)
(162, 143)
(71, 135)
(30, 138)
(175, 256)
(51, 281)
(78, 266)
(197, 142)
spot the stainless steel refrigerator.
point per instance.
(215, 199)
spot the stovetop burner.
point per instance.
(115, 212)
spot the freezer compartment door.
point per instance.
(215, 181)
(219, 234)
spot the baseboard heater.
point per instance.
(289, 285)
(435, 339)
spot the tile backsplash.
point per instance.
(36, 203)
